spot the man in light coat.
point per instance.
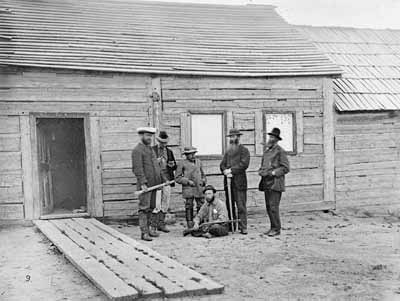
(147, 171)
(191, 175)
(167, 162)
(274, 166)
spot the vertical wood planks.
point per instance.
(96, 203)
(328, 138)
(259, 132)
(27, 175)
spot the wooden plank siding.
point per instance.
(367, 159)
(33, 90)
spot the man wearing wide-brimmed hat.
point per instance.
(167, 162)
(192, 177)
(147, 171)
(274, 166)
(234, 164)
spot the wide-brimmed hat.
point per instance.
(162, 137)
(276, 132)
(189, 150)
(233, 132)
(146, 129)
(209, 187)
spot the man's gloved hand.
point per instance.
(144, 187)
(191, 183)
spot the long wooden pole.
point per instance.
(229, 181)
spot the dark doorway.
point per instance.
(62, 165)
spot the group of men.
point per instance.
(206, 215)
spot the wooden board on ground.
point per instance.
(120, 266)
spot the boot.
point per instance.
(161, 222)
(143, 224)
(189, 217)
(153, 225)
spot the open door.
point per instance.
(62, 165)
(45, 179)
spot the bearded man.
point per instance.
(234, 164)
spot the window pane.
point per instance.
(285, 123)
(207, 133)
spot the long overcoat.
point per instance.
(145, 166)
(238, 161)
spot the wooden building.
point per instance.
(78, 78)
(367, 97)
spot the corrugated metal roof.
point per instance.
(156, 37)
(370, 59)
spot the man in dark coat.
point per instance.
(147, 171)
(274, 166)
(234, 164)
(167, 162)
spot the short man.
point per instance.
(147, 171)
(274, 166)
(193, 179)
(234, 164)
(213, 210)
(167, 163)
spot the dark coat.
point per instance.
(192, 171)
(274, 160)
(238, 161)
(145, 166)
(170, 158)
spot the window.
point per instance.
(207, 133)
(286, 123)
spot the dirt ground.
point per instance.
(319, 256)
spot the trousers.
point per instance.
(189, 203)
(215, 230)
(239, 198)
(162, 203)
(147, 201)
(272, 201)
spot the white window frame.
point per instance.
(223, 131)
(294, 128)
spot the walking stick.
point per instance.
(139, 192)
(229, 181)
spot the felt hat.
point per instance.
(189, 150)
(209, 187)
(276, 133)
(146, 129)
(233, 132)
(162, 137)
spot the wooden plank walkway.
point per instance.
(121, 267)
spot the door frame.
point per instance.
(37, 207)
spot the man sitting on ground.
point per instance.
(213, 211)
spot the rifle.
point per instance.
(191, 230)
(139, 192)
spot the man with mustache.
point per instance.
(234, 164)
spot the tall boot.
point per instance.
(144, 228)
(189, 217)
(161, 222)
(153, 225)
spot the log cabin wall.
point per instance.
(367, 159)
(117, 103)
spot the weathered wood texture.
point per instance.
(244, 100)
(367, 159)
(121, 267)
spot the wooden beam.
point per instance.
(259, 132)
(95, 197)
(329, 147)
(299, 132)
(185, 129)
(26, 153)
